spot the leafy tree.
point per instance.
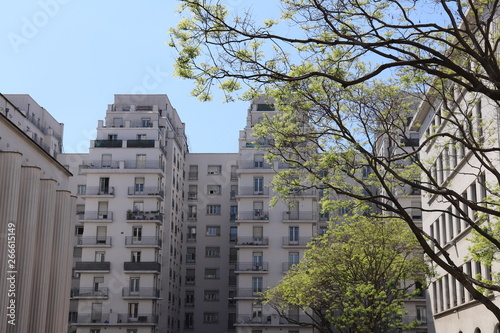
(346, 76)
(355, 278)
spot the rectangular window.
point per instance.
(81, 189)
(138, 206)
(193, 172)
(213, 189)
(140, 161)
(137, 233)
(258, 185)
(139, 185)
(293, 258)
(146, 122)
(234, 191)
(135, 256)
(133, 310)
(233, 213)
(258, 210)
(211, 295)
(258, 161)
(190, 276)
(213, 230)
(212, 273)
(212, 252)
(102, 210)
(96, 312)
(258, 233)
(257, 262)
(101, 234)
(189, 320)
(210, 317)
(191, 255)
(104, 185)
(100, 256)
(134, 285)
(192, 212)
(294, 234)
(193, 192)
(214, 169)
(191, 233)
(106, 160)
(141, 136)
(213, 209)
(422, 314)
(189, 301)
(233, 234)
(256, 285)
(233, 255)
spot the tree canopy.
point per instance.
(347, 77)
(354, 278)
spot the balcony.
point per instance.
(249, 292)
(101, 216)
(135, 191)
(98, 293)
(144, 241)
(140, 318)
(99, 191)
(142, 266)
(142, 165)
(298, 242)
(153, 216)
(250, 191)
(251, 267)
(295, 216)
(93, 241)
(140, 143)
(92, 266)
(254, 165)
(302, 192)
(288, 266)
(257, 214)
(252, 241)
(94, 318)
(108, 143)
(141, 293)
(99, 165)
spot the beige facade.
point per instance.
(35, 216)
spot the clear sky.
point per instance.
(72, 56)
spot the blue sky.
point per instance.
(72, 56)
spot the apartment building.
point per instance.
(454, 166)
(210, 233)
(130, 217)
(35, 216)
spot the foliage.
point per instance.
(326, 65)
(355, 278)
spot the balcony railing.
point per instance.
(289, 265)
(257, 214)
(252, 267)
(95, 190)
(144, 216)
(144, 191)
(108, 143)
(89, 292)
(299, 216)
(87, 318)
(140, 143)
(100, 165)
(97, 216)
(141, 318)
(142, 266)
(142, 164)
(252, 241)
(143, 241)
(141, 293)
(249, 292)
(254, 165)
(94, 241)
(301, 241)
(250, 190)
(92, 266)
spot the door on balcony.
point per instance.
(257, 312)
(293, 210)
(139, 185)
(257, 261)
(97, 283)
(106, 160)
(293, 235)
(100, 256)
(96, 312)
(258, 161)
(136, 235)
(133, 310)
(102, 210)
(258, 210)
(293, 259)
(134, 285)
(104, 185)
(256, 285)
(258, 185)
(258, 234)
(140, 161)
(101, 234)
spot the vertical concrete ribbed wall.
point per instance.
(10, 175)
(45, 236)
(29, 193)
(60, 252)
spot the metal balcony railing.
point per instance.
(93, 241)
(144, 216)
(299, 216)
(252, 267)
(101, 292)
(97, 216)
(254, 165)
(87, 318)
(96, 190)
(140, 143)
(108, 143)
(142, 164)
(300, 241)
(92, 266)
(257, 214)
(143, 241)
(252, 241)
(141, 318)
(251, 190)
(142, 266)
(249, 292)
(146, 191)
(141, 293)
(100, 165)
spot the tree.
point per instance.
(355, 278)
(341, 113)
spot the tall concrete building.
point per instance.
(130, 220)
(35, 219)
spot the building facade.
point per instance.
(35, 217)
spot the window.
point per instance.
(233, 213)
(141, 136)
(212, 252)
(189, 320)
(258, 185)
(191, 255)
(258, 160)
(213, 230)
(193, 172)
(257, 263)
(139, 185)
(210, 317)
(138, 206)
(212, 273)
(213, 209)
(190, 276)
(211, 295)
(96, 312)
(233, 234)
(133, 310)
(234, 191)
(136, 234)
(106, 160)
(140, 161)
(112, 136)
(78, 231)
(189, 300)
(100, 256)
(293, 258)
(135, 256)
(80, 210)
(214, 169)
(233, 255)
(192, 192)
(192, 212)
(258, 210)
(294, 235)
(257, 233)
(191, 233)
(102, 210)
(97, 282)
(256, 285)
(213, 189)
(95, 330)
(257, 312)
(101, 234)
(134, 285)
(81, 189)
